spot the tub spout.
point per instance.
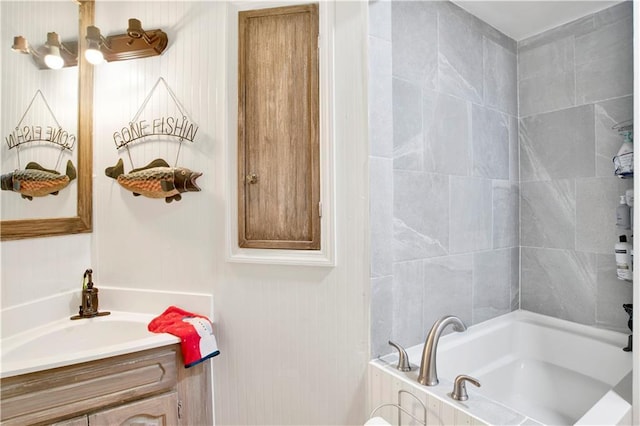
(428, 373)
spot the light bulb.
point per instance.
(94, 56)
(53, 59)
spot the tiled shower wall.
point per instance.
(447, 219)
(444, 169)
(575, 82)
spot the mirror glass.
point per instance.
(41, 115)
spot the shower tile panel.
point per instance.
(596, 203)
(514, 150)
(506, 223)
(380, 98)
(460, 56)
(421, 215)
(380, 19)
(620, 11)
(447, 134)
(559, 144)
(408, 290)
(490, 130)
(500, 78)
(608, 141)
(448, 289)
(574, 28)
(408, 148)
(470, 216)
(491, 284)
(547, 214)
(546, 77)
(381, 213)
(415, 55)
(559, 283)
(515, 278)
(604, 62)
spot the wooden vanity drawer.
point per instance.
(54, 394)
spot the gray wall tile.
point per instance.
(612, 294)
(414, 29)
(559, 283)
(500, 78)
(421, 215)
(381, 315)
(407, 126)
(490, 130)
(506, 219)
(380, 98)
(459, 56)
(447, 289)
(491, 284)
(596, 203)
(577, 27)
(381, 213)
(604, 62)
(408, 283)
(447, 129)
(558, 144)
(514, 150)
(470, 227)
(380, 19)
(546, 77)
(613, 14)
(547, 214)
(515, 278)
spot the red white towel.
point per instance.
(195, 331)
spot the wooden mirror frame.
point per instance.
(82, 222)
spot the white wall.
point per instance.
(294, 340)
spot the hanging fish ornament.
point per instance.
(156, 180)
(36, 181)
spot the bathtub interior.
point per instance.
(549, 370)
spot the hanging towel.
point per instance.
(195, 331)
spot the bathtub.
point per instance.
(533, 369)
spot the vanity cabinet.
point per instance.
(150, 387)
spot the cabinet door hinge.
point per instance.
(179, 409)
(320, 209)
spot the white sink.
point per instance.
(67, 342)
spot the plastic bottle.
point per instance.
(629, 196)
(622, 214)
(623, 161)
(623, 259)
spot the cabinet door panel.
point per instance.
(278, 137)
(161, 410)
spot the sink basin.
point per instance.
(67, 342)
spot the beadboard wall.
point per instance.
(294, 339)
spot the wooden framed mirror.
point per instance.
(15, 229)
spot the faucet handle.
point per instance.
(403, 359)
(460, 388)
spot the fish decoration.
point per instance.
(156, 180)
(36, 181)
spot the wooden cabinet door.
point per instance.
(278, 136)
(160, 410)
(76, 421)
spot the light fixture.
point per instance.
(134, 44)
(52, 55)
(94, 41)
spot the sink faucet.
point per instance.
(89, 298)
(428, 373)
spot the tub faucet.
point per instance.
(428, 373)
(89, 298)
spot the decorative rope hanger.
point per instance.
(57, 136)
(188, 128)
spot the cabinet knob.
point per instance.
(251, 178)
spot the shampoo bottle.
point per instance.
(623, 259)
(623, 214)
